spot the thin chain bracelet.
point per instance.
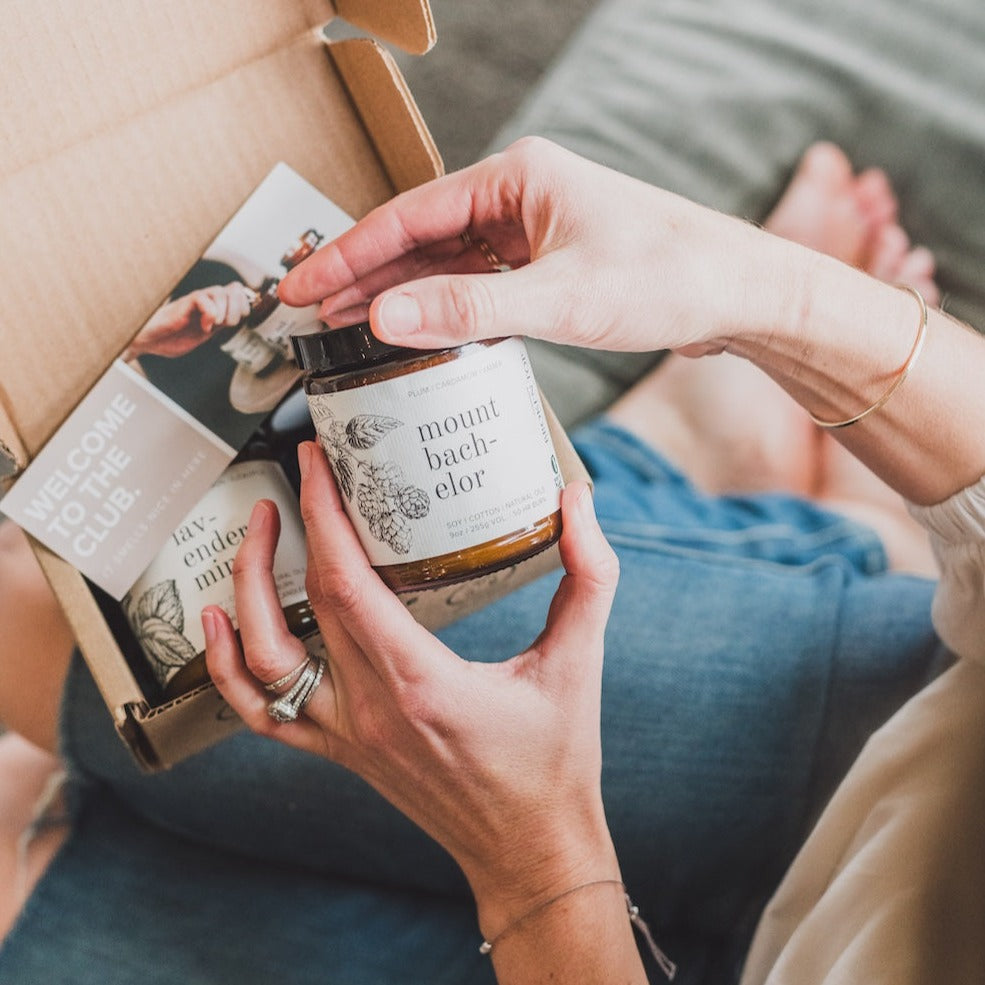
(901, 375)
(668, 967)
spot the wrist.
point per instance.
(136, 348)
(835, 339)
(777, 281)
(527, 875)
(755, 296)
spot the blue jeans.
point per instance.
(754, 644)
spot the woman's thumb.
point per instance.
(580, 608)
(456, 308)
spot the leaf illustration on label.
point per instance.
(319, 411)
(161, 601)
(364, 430)
(344, 466)
(162, 642)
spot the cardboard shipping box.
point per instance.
(129, 136)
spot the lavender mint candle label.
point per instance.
(194, 568)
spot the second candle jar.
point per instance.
(443, 457)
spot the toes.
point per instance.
(889, 248)
(894, 261)
(876, 201)
(917, 270)
(855, 219)
(875, 196)
(919, 262)
(819, 209)
(826, 162)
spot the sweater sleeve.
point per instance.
(887, 889)
(957, 530)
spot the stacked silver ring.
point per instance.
(290, 704)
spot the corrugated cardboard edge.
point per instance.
(408, 24)
(166, 735)
(387, 111)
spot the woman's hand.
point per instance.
(181, 325)
(598, 259)
(500, 763)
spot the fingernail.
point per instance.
(399, 314)
(304, 458)
(208, 626)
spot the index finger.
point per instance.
(344, 589)
(208, 310)
(439, 210)
(270, 647)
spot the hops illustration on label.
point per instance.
(383, 496)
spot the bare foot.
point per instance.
(732, 429)
(854, 219)
(725, 423)
(827, 208)
(895, 260)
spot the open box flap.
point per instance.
(55, 93)
(388, 111)
(407, 24)
(74, 68)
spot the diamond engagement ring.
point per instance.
(289, 705)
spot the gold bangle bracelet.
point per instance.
(903, 373)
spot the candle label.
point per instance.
(442, 459)
(194, 568)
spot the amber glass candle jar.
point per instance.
(443, 457)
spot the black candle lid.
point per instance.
(338, 350)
